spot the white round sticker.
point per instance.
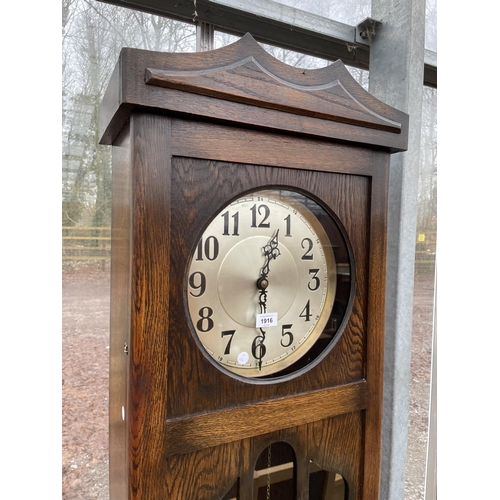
(242, 357)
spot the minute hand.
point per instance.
(271, 251)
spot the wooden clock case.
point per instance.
(190, 132)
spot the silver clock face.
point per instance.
(261, 283)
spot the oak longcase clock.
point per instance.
(247, 278)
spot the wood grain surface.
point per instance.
(120, 316)
(224, 143)
(201, 188)
(191, 133)
(334, 444)
(262, 92)
(150, 285)
(248, 82)
(209, 429)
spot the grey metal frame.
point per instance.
(396, 74)
(276, 24)
(399, 66)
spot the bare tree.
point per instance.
(93, 35)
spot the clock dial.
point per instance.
(261, 283)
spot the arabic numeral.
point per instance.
(307, 245)
(229, 333)
(306, 312)
(205, 323)
(235, 218)
(258, 348)
(314, 284)
(210, 249)
(262, 210)
(200, 287)
(288, 233)
(284, 334)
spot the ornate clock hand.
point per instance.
(271, 251)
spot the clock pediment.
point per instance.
(248, 82)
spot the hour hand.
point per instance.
(271, 251)
(258, 348)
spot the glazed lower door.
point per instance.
(275, 478)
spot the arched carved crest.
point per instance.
(242, 83)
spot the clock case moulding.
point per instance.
(190, 132)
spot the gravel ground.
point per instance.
(423, 306)
(85, 384)
(85, 347)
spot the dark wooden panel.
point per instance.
(326, 102)
(203, 475)
(178, 400)
(375, 327)
(336, 445)
(119, 316)
(209, 429)
(203, 140)
(199, 188)
(248, 82)
(150, 308)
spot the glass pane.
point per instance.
(234, 492)
(295, 59)
(326, 485)
(93, 34)
(345, 11)
(423, 302)
(275, 474)
(222, 39)
(360, 75)
(300, 60)
(431, 25)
